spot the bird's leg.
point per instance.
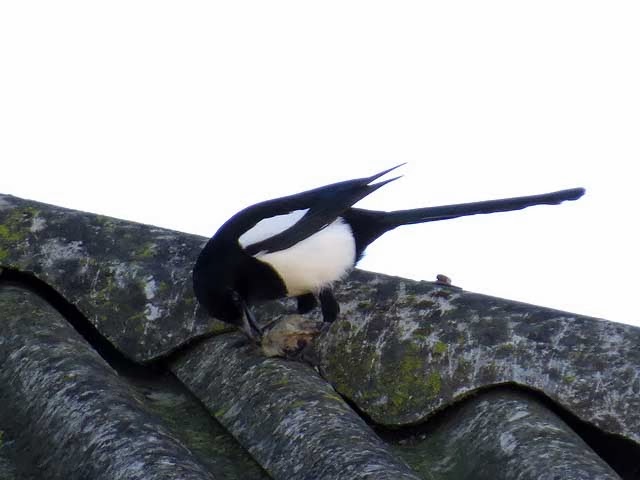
(329, 305)
(306, 303)
(250, 325)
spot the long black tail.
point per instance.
(445, 212)
(367, 225)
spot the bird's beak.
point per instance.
(250, 325)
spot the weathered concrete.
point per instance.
(70, 414)
(402, 350)
(285, 415)
(11, 457)
(503, 435)
(193, 425)
(8, 458)
(132, 281)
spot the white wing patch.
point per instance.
(316, 261)
(269, 227)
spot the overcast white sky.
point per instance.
(181, 113)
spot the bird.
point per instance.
(300, 245)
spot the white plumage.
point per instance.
(268, 227)
(311, 264)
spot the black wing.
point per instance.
(324, 205)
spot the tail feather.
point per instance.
(445, 212)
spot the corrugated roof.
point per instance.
(415, 380)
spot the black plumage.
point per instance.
(300, 244)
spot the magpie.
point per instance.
(299, 245)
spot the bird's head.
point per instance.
(223, 301)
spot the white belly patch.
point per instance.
(315, 262)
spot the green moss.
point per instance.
(489, 371)
(105, 288)
(407, 384)
(344, 327)
(442, 294)
(219, 327)
(333, 397)
(398, 399)
(411, 362)
(343, 364)
(220, 412)
(6, 234)
(127, 301)
(29, 212)
(569, 379)
(106, 224)
(298, 404)
(440, 348)
(10, 234)
(163, 288)
(138, 320)
(14, 228)
(409, 299)
(463, 365)
(188, 301)
(434, 384)
(147, 250)
(425, 304)
(421, 333)
(463, 372)
(1, 438)
(506, 348)
(16, 224)
(399, 374)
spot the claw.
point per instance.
(250, 325)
